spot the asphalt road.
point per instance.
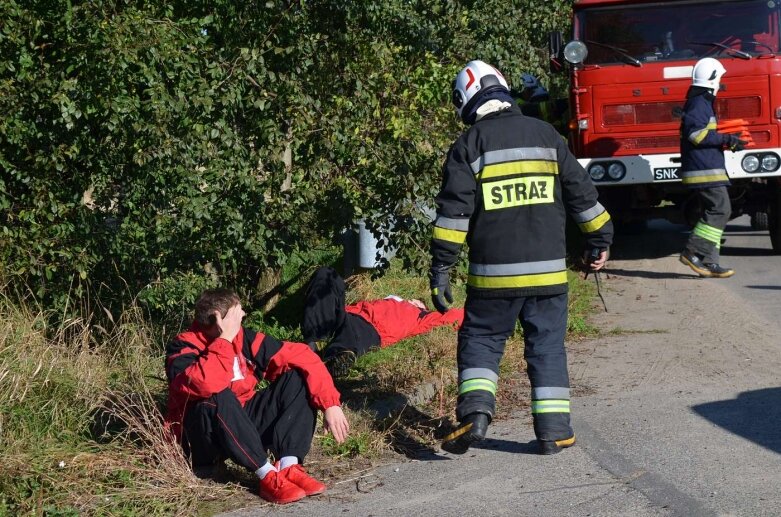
(677, 407)
(758, 270)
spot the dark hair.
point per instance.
(212, 300)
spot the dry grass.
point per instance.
(80, 419)
(80, 425)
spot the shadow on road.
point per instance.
(658, 275)
(494, 444)
(662, 238)
(753, 415)
(729, 251)
(767, 287)
(659, 239)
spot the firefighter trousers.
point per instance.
(705, 239)
(279, 418)
(488, 322)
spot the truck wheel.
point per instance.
(774, 221)
(760, 221)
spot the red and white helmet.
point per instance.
(474, 81)
(707, 73)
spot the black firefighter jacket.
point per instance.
(702, 158)
(508, 184)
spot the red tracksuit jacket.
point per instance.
(198, 367)
(396, 319)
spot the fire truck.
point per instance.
(630, 66)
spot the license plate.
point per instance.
(666, 173)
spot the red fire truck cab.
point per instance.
(631, 67)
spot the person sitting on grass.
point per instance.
(215, 409)
(352, 330)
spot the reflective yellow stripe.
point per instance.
(709, 233)
(519, 167)
(550, 406)
(596, 223)
(702, 133)
(498, 282)
(445, 234)
(705, 179)
(526, 190)
(477, 384)
(699, 137)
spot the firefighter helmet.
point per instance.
(532, 90)
(474, 81)
(707, 73)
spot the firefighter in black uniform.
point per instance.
(535, 101)
(703, 169)
(509, 183)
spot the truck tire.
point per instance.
(774, 220)
(760, 221)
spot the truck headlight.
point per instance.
(597, 172)
(770, 162)
(616, 171)
(750, 163)
(575, 52)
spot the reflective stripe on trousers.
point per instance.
(705, 239)
(488, 322)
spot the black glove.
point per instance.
(439, 279)
(734, 143)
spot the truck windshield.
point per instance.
(674, 30)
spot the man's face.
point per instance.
(417, 303)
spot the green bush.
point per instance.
(142, 141)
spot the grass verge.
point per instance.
(80, 410)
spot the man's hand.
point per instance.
(439, 278)
(734, 143)
(231, 323)
(595, 258)
(335, 421)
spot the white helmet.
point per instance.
(474, 81)
(707, 73)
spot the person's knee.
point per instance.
(221, 400)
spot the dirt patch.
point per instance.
(665, 325)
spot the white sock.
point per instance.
(287, 461)
(265, 469)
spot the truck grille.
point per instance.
(739, 107)
(667, 112)
(622, 146)
(645, 113)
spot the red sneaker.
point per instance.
(276, 489)
(298, 476)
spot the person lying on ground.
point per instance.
(352, 330)
(215, 410)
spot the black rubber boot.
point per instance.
(471, 430)
(555, 446)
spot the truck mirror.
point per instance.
(556, 51)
